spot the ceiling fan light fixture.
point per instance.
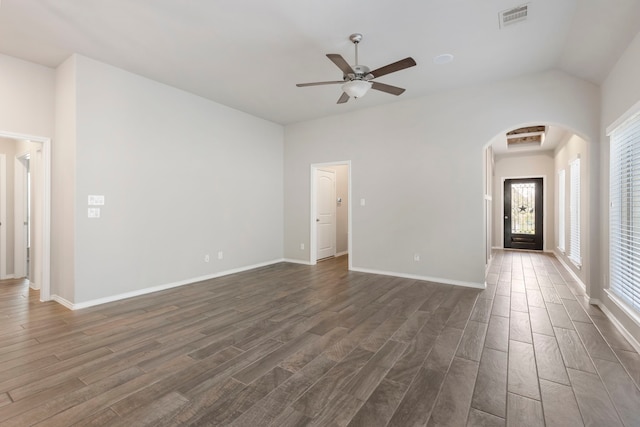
(356, 88)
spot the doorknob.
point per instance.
(506, 217)
(317, 219)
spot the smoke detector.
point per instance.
(513, 15)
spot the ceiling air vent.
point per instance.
(511, 16)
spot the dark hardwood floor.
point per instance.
(293, 345)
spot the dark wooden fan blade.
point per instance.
(393, 90)
(344, 98)
(341, 63)
(320, 83)
(392, 68)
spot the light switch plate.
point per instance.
(93, 213)
(96, 200)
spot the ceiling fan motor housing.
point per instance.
(362, 72)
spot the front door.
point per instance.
(325, 213)
(523, 213)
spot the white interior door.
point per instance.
(325, 213)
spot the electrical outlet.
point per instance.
(220, 255)
(416, 257)
(302, 246)
(207, 258)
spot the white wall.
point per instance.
(573, 148)
(27, 108)
(418, 165)
(539, 165)
(63, 183)
(620, 91)
(26, 97)
(182, 176)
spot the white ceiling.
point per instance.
(249, 54)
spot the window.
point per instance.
(574, 212)
(561, 209)
(624, 218)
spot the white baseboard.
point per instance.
(112, 298)
(425, 278)
(594, 301)
(634, 343)
(60, 300)
(34, 286)
(571, 272)
(297, 261)
(118, 297)
(7, 276)
(305, 262)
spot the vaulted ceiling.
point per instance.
(249, 54)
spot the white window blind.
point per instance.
(561, 209)
(624, 218)
(574, 212)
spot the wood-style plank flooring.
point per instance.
(293, 345)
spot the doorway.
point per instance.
(523, 213)
(39, 149)
(330, 211)
(325, 213)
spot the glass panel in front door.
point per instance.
(523, 207)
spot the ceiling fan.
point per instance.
(358, 79)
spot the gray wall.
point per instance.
(418, 163)
(153, 150)
(182, 176)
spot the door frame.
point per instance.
(313, 235)
(545, 207)
(44, 252)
